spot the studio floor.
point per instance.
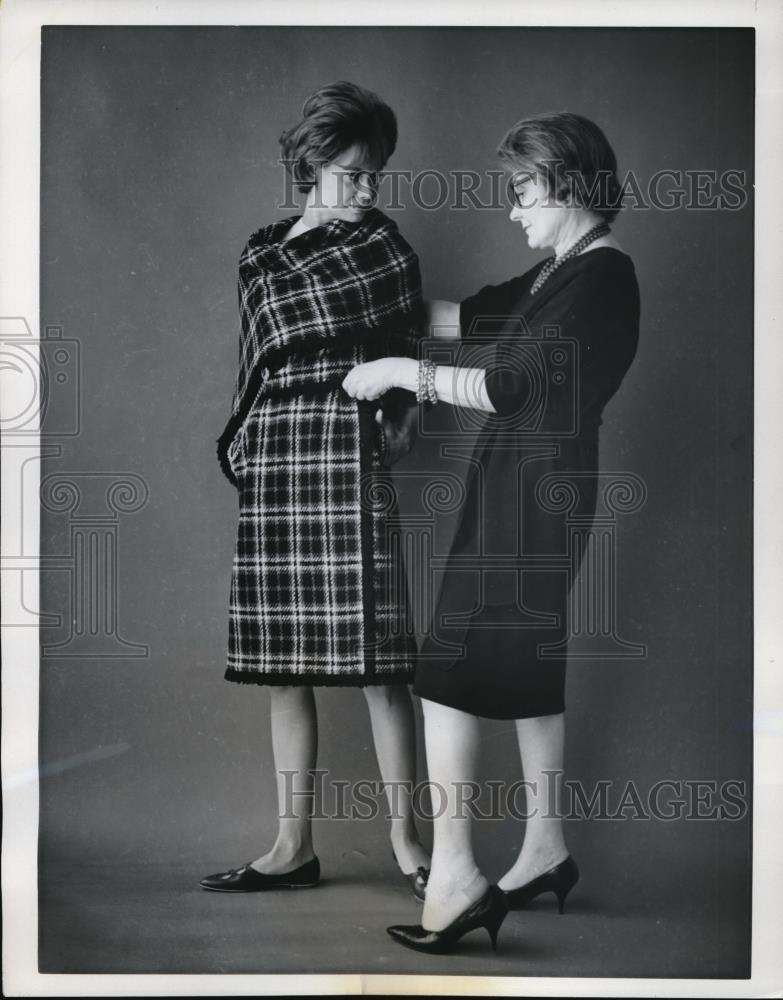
(125, 917)
(126, 834)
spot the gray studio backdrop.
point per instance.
(159, 158)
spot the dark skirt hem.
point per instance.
(282, 678)
(532, 712)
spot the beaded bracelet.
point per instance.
(432, 396)
(425, 383)
(420, 387)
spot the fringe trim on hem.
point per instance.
(315, 680)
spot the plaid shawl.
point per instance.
(318, 594)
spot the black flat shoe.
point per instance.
(560, 880)
(488, 912)
(417, 879)
(247, 879)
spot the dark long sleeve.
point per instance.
(480, 311)
(596, 315)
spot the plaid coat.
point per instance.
(318, 592)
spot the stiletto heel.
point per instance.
(493, 927)
(488, 912)
(560, 880)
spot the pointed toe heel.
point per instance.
(488, 912)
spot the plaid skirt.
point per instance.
(318, 590)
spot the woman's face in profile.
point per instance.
(347, 187)
(541, 217)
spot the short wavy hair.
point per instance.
(335, 118)
(574, 156)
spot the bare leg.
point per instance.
(295, 746)
(394, 735)
(455, 882)
(541, 743)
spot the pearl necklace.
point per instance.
(602, 229)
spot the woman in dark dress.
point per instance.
(542, 354)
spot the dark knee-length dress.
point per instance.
(496, 647)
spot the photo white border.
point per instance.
(20, 24)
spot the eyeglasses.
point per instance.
(517, 197)
(363, 179)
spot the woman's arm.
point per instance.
(458, 386)
(443, 319)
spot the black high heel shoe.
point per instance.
(417, 879)
(488, 912)
(560, 880)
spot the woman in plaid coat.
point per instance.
(318, 593)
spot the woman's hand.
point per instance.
(374, 378)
